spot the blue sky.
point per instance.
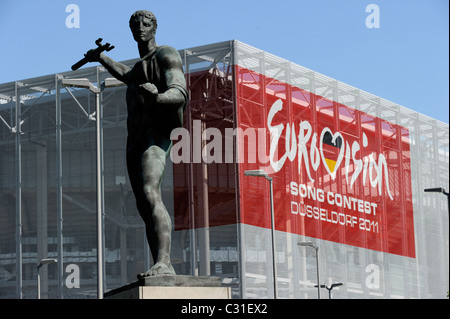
(405, 60)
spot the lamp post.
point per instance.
(262, 173)
(330, 288)
(43, 262)
(316, 247)
(86, 84)
(439, 190)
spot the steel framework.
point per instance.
(48, 191)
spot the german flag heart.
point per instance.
(331, 150)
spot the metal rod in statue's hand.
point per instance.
(97, 51)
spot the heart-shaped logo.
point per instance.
(330, 165)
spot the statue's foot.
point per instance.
(157, 270)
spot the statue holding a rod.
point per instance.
(156, 98)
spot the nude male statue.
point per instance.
(156, 98)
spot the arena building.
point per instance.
(346, 171)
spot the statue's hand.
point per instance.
(93, 55)
(150, 89)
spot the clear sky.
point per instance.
(404, 60)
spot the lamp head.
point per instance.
(257, 173)
(47, 261)
(308, 244)
(434, 190)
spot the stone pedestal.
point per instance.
(172, 287)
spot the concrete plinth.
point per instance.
(172, 287)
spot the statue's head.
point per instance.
(143, 25)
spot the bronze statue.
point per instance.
(156, 98)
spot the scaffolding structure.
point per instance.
(48, 191)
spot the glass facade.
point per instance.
(397, 247)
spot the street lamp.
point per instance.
(439, 190)
(262, 173)
(43, 262)
(330, 288)
(316, 247)
(86, 84)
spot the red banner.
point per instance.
(339, 174)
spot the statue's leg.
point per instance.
(134, 166)
(153, 165)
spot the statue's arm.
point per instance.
(176, 82)
(172, 67)
(118, 70)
